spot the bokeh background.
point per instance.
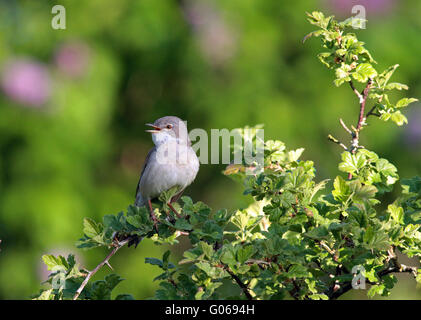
(73, 104)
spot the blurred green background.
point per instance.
(74, 102)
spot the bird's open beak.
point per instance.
(155, 128)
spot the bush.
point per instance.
(292, 242)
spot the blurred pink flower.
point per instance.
(215, 38)
(27, 82)
(374, 7)
(72, 59)
(412, 133)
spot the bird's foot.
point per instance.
(120, 238)
(173, 210)
(155, 222)
(134, 240)
(153, 217)
(170, 219)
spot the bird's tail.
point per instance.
(139, 202)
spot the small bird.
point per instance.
(172, 162)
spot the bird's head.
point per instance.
(169, 128)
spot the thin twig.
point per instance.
(359, 95)
(344, 126)
(362, 104)
(355, 133)
(395, 268)
(333, 139)
(254, 261)
(240, 283)
(328, 249)
(117, 246)
(371, 112)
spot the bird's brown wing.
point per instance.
(143, 169)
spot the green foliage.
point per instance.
(350, 60)
(369, 169)
(293, 241)
(66, 277)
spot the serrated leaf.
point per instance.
(52, 262)
(396, 213)
(376, 239)
(154, 261)
(207, 249)
(362, 192)
(363, 72)
(228, 256)
(245, 253)
(91, 228)
(398, 118)
(351, 163)
(397, 86)
(405, 102)
(341, 190)
(182, 224)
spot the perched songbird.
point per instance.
(172, 162)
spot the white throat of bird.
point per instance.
(162, 137)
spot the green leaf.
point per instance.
(53, 262)
(182, 224)
(418, 278)
(398, 118)
(326, 58)
(412, 185)
(228, 256)
(397, 86)
(396, 213)
(113, 280)
(372, 156)
(363, 72)
(165, 260)
(384, 77)
(294, 155)
(111, 221)
(207, 249)
(154, 261)
(318, 233)
(376, 239)
(404, 102)
(166, 196)
(91, 228)
(298, 271)
(286, 199)
(340, 73)
(362, 192)
(245, 253)
(351, 163)
(339, 82)
(318, 18)
(341, 190)
(101, 289)
(135, 221)
(318, 296)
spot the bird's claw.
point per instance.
(134, 240)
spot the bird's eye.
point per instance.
(169, 126)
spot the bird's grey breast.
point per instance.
(170, 164)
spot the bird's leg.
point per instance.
(173, 210)
(154, 219)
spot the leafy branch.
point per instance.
(90, 274)
(296, 239)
